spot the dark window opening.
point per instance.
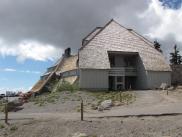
(112, 61)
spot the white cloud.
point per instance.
(9, 70)
(28, 71)
(30, 50)
(20, 71)
(162, 21)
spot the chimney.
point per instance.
(67, 52)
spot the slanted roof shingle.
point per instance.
(114, 37)
(68, 63)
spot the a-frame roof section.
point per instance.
(91, 35)
(115, 37)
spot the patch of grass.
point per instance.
(45, 98)
(124, 97)
(1, 105)
(93, 136)
(13, 128)
(1, 108)
(66, 86)
(2, 126)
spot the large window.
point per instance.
(112, 61)
(119, 79)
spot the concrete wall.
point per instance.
(98, 79)
(155, 78)
(176, 76)
(93, 79)
(141, 80)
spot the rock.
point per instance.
(117, 103)
(80, 135)
(107, 104)
(101, 135)
(170, 88)
(163, 86)
(100, 108)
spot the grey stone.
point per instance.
(79, 135)
(163, 86)
(107, 104)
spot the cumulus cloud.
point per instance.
(164, 21)
(30, 50)
(57, 24)
(164, 24)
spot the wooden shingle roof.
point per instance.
(68, 63)
(114, 37)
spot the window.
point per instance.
(119, 79)
(112, 61)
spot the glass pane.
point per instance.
(119, 79)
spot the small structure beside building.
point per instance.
(111, 58)
(176, 77)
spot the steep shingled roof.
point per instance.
(114, 37)
(69, 63)
(63, 64)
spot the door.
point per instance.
(119, 83)
(111, 83)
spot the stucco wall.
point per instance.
(176, 76)
(93, 79)
(155, 78)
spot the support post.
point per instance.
(120, 97)
(81, 110)
(6, 109)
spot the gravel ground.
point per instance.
(67, 102)
(61, 119)
(113, 127)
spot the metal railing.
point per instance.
(123, 71)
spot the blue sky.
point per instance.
(174, 4)
(20, 76)
(34, 34)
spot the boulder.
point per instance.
(80, 135)
(170, 88)
(163, 86)
(100, 108)
(105, 105)
(117, 103)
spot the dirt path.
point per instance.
(147, 103)
(109, 123)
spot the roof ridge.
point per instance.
(148, 42)
(92, 32)
(102, 28)
(136, 33)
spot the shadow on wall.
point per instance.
(141, 80)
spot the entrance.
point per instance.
(130, 82)
(116, 83)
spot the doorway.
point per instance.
(130, 82)
(116, 83)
